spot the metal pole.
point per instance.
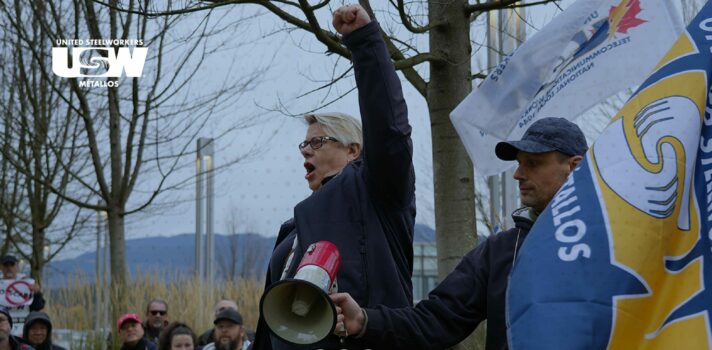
(199, 265)
(204, 247)
(106, 276)
(99, 278)
(511, 34)
(210, 217)
(503, 45)
(199, 212)
(510, 193)
(493, 182)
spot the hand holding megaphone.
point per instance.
(350, 317)
(298, 309)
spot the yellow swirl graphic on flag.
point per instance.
(651, 199)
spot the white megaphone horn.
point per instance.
(298, 309)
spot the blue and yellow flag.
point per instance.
(622, 257)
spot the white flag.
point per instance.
(589, 52)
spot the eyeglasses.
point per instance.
(158, 312)
(316, 142)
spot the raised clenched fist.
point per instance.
(349, 18)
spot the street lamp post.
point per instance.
(98, 282)
(204, 260)
(505, 31)
(102, 279)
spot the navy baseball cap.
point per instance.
(546, 135)
(8, 259)
(229, 314)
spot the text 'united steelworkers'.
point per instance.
(98, 58)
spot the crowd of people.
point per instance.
(158, 333)
(155, 333)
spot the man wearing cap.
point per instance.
(131, 333)
(475, 291)
(7, 340)
(10, 271)
(229, 334)
(209, 335)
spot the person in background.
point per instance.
(11, 271)
(177, 336)
(7, 340)
(37, 331)
(229, 334)
(156, 319)
(207, 337)
(132, 335)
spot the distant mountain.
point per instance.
(174, 256)
(423, 233)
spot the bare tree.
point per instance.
(37, 119)
(137, 133)
(241, 258)
(10, 192)
(227, 262)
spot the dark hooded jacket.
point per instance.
(367, 210)
(39, 317)
(475, 291)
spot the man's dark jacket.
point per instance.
(367, 210)
(152, 334)
(143, 344)
(17, 343)
(473, 292)
(205, 338)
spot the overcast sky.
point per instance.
(261, 191)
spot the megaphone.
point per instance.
(298, 309)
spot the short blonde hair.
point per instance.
(341, 126)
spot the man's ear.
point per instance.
(354, 151)
(574, 161)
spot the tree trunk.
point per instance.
(117, 256)
(37, 259)
(117, 246)
(452, 168)
(453, 173)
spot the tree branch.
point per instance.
(413, 61)
(406, 19)
(501, 4)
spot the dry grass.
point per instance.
(75, 307)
